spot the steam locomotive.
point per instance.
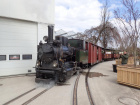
(61, 58)
(54, 58)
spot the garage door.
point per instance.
(18, 46)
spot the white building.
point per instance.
(23, 23)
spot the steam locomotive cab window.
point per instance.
(76, 43)
(26, 57)
(2, 57)
(14, 57)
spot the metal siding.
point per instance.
(99, 54)
(17, 37)
(95, 54)
(83, 56)
(89, 53)
(78, 55)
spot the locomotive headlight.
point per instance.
(55, 64)
(38, 63)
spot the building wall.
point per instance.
(42, 31)
(34, 10)
(23, 23)
(17, 37)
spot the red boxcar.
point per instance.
(95, 54)
(116, 56)
(99, 54)
(108, 54)
(90, 54)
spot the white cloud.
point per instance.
(114, 6)
(121, 25)
(77, 15)
(137, 0)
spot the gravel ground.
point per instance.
(102, 81)
(82, 93)
(12, 87)
(106, 91)
(58, 95)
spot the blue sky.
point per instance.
(78, 15)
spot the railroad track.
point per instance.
(87, 89)
(33, 98)
(28, 101)
(16, 98)
(75, 90)
(36, 91)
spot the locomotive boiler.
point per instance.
(54, 58)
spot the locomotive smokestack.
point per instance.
(50, 33)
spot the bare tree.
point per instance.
(105, 33)
(128, 22)
(126, 45)
(104, 21)
(81, 36)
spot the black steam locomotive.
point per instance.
(55, 58)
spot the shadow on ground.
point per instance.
(93, 74)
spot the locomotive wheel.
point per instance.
(37, 74)
(62, 78)
(75, 73)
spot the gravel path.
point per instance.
(82, 93)
(58, 95)
(105, 89)
(13, 87)
(102, 81)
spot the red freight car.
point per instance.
(90, 54)
(94, 54)
(107, 54)
(99, 54)
(116, 54)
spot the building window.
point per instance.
(14, 57)
(2, 57)
(27, 56)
